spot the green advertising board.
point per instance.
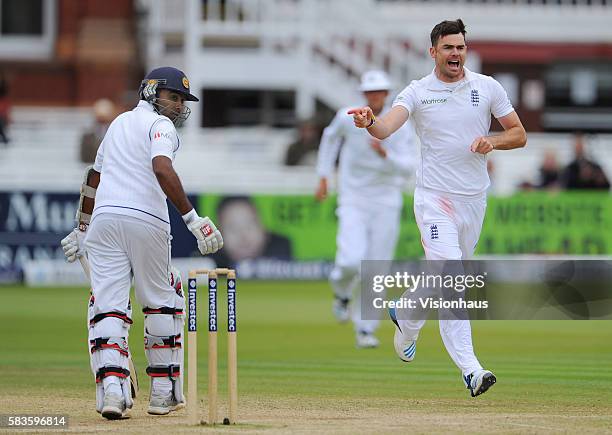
(548, 223)
(526, 223)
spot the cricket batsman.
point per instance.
(125, 230)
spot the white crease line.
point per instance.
(535, 425)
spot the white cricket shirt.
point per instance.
(364, 177)
(447, 119)
(128, 185)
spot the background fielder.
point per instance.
(129, 237)
(371, 176)
(451, 109)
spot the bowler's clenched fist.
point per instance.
(482, 145)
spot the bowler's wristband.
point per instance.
(372, 121)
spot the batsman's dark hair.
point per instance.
(447, 28)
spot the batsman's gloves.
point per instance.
(208, 236)
(73, 245)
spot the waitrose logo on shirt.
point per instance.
(434, 101)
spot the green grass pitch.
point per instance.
(300, 371)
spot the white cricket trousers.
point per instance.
(365, 232)
(450, 226)
(120, 246)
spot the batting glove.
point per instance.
(208, 236)
(73, 245)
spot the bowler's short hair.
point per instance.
(447, 28)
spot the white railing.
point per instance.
(299, 44)
(314, 34)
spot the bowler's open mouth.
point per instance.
(453, 64)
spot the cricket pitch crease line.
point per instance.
(535, 426)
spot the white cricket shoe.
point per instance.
(405, 349)
(479, 382)
(114, 407)
(162, 404)
(340, 309)
(366, 340)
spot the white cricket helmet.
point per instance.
(375, 80)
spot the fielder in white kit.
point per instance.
(372, 174)
(451, 109)
(129, 237)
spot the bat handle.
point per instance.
(85, 265)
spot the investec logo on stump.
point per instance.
(212, 304)
(231, 305)
(434, 101)
(191, 295)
